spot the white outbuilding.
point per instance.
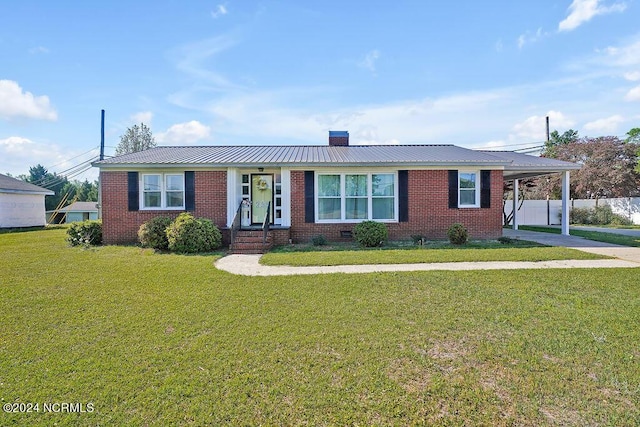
(21, 203)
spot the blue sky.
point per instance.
(475, 74)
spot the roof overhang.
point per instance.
(34, 193)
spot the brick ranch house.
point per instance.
(310, 190)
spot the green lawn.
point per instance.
(618, 239)
(168, 340)
(409, 256)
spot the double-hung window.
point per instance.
(356, 197)
(329, 197)
(468, 191)
(162, 191)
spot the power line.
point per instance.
(70, 173)
(75, 157)
(61, 179)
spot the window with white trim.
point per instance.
(356, 197)
(162, 191)
(468, 191)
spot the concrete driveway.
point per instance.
(580, 243)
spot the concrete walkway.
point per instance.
(249, 265)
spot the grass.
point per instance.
(618, 239)
(165, 339)
(410, 256)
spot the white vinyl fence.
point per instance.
(547, 212)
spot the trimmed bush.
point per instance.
(370, 233)
(319, 240)
(600, 215)
(153, 233)
(457, 234)
(187, 234)
(85, 233)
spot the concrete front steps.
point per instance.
(250, 242)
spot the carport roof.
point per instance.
(526, 166)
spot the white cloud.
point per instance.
(369, 60)
(581, 11)
(529, 38)
(534, 128)
(184, 133)
(632, 76)
(197, 61)
(219, 11)
(607, 125)
(14, 143)
(627, 55)
(142, 117)
(18, 154)
(633, 94)
(14, 102)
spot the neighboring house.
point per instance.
(76, 211)
(21, 203)
(310, 190)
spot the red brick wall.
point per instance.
(121, 226)
(429, 213)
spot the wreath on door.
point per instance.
(262, 184)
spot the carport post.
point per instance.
(565, 203)
(516, 196)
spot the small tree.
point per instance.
(136, 138)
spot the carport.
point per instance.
(523, 166)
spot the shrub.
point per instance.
(319, 240)
(600, 215)
(370, 233)
(153, 233)
(580, 216)
(457, 234)
(85, 233)
(187, 234)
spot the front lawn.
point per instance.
(408, 256)
(617, 239)
(153, 339)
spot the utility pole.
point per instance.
(548, 138)
(102, 136)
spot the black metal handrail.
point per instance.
(266, 223)
(235, 225)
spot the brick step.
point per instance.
(249, 233)
(250, 239)
(250, 242)
(249, 248)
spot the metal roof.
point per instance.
(525, 166)
(80, 207)
(12, 185)
(515, 165)
(306, 155)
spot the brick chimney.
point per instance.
(338, 138)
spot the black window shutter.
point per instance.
(309, 202)
(403, 197)
(190, 191)
(485, 189)
(453, 189)
(132, 191)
